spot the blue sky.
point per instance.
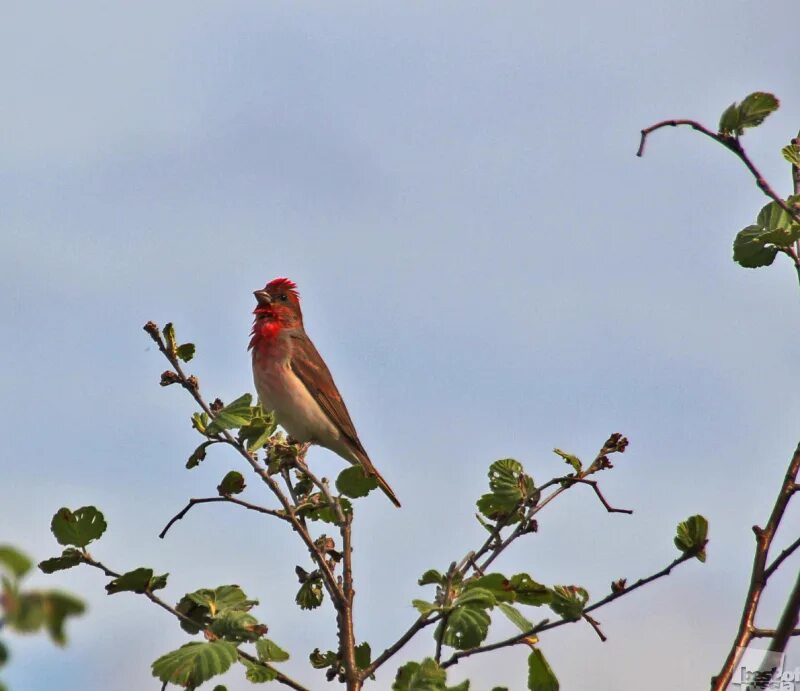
(487, 268)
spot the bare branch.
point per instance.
(759, 574)
(546, 625)
(227, 500)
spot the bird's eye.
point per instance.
(283, 297)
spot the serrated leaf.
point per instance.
(185, 351)
(354, 482)
(194, 663)
(232, 483)
(464, 627)
(692, 536)
(515, 616)
(509, 488)
(529, 592)
(756, 107)
(424, 607)
(431, 576)
(258, 673)
(79, 528)
(415, 676)
(574, 461)
(540, 676)
(476, 597)
(199, 454)
(237, 626)
(221, 598)
(750, 250)
(751, 112)
(778, 226)
(169, 337)
(15, 561)
(310, 595)
(200, 422)
(363, 655)
(569, 601)
(321, 660)
(135, 581)
(258, 431)
(232, 416)
(729, 120)
(270, 652)
(791, 152)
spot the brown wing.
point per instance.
(311, 369)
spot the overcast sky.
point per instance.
(486, 266)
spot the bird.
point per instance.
(293, 381)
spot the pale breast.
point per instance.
(280, 390)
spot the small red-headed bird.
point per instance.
(293, 381)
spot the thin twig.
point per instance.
(547, 625)
(780, 558)
(279, 676)
(227, 500)
(596, 626)
(758, 574)
(422, 622)
(594, 486)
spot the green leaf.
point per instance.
(14, 560)
(135, 581)
(310, 595)
(169, 337)
(515, 616)
(574, 461)
(232, 416)
(220, 687)
(568, 601)
(778, 226)
(363, 655)
(692, 536)
(509, 488)
(3, 654)
(729, 120)
(751, 112)
(79, 528)
(750, 249)
(431, 576)
(317, 509)
(413, 676)
(476, 597)
(791, 152)
(354, 482)
(221, 598)
(199, 454)
(756, 107)
(258, 431)
(424, 607)
(69, 557)
(194, 663)
(258, 673)
(540, 676)
(58, 607)
(529, 592)
(464, 627)
(270, 652)
(235, 625)
(321, 660)
(463, 686)
(200, 422)
(232, 483)
(185, 351)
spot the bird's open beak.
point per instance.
(262, 297)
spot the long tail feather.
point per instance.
(365, 463)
